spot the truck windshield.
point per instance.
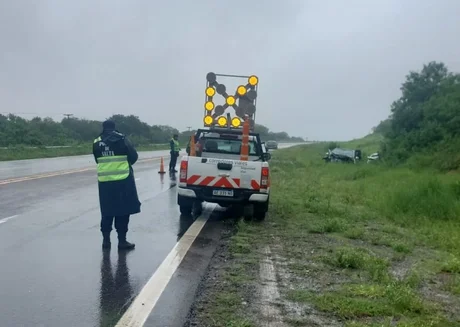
(216, 145)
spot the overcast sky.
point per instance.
(328, 70)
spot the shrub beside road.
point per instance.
(343, 245)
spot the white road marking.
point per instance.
(4, 220)
(137, 179)
(140, 309)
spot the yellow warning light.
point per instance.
(236, 122)
(209, 105)
(230, 100)
(208, 120)
(241, 90)
(210, 91)
(222, 121)
(253, 80)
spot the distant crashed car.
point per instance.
(373, 157)
(342, 155)
(271, 145)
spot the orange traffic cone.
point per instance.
(162, 167)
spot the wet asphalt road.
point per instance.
(21, 168)
(53, 271)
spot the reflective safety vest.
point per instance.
(176, 145)
(112, 168)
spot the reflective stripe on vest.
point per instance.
(176, 145)
(113, 168)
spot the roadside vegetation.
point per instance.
(351, 245)
(28, 139)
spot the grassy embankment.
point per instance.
(352, 245)
(20, 153)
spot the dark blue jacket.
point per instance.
(118, 198)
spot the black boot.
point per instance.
(123, 244)
(106, 241)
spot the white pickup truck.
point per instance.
(217, 175)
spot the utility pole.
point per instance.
(68, 115)
(189, 128)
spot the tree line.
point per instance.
(423, 128)
(18, 131)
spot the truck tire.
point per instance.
(248, 212)
(259, 215)
(198, 207)
(185, 210)
(260, 211)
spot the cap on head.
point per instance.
(108, 125)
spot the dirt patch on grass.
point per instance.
(227, 288)
(261, 277)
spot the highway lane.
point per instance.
(32, 167)
(53, 271)
(22, 168)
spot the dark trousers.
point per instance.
(121, 224)
(173, 161)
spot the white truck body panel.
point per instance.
(243, 175)
(216, 174)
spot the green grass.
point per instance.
(225, 302)
(359, 258)
(452, 265)
(368, 218)
(21, 153)
(365, 244)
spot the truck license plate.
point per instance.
(222, 193)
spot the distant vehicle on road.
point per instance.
(271, 145)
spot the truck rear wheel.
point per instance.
(259, 215)
(248, 212)
(260, 211)
(198, 207)
(185, 210)
(185, 205)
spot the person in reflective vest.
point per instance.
(175, 149)
(118, 198)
